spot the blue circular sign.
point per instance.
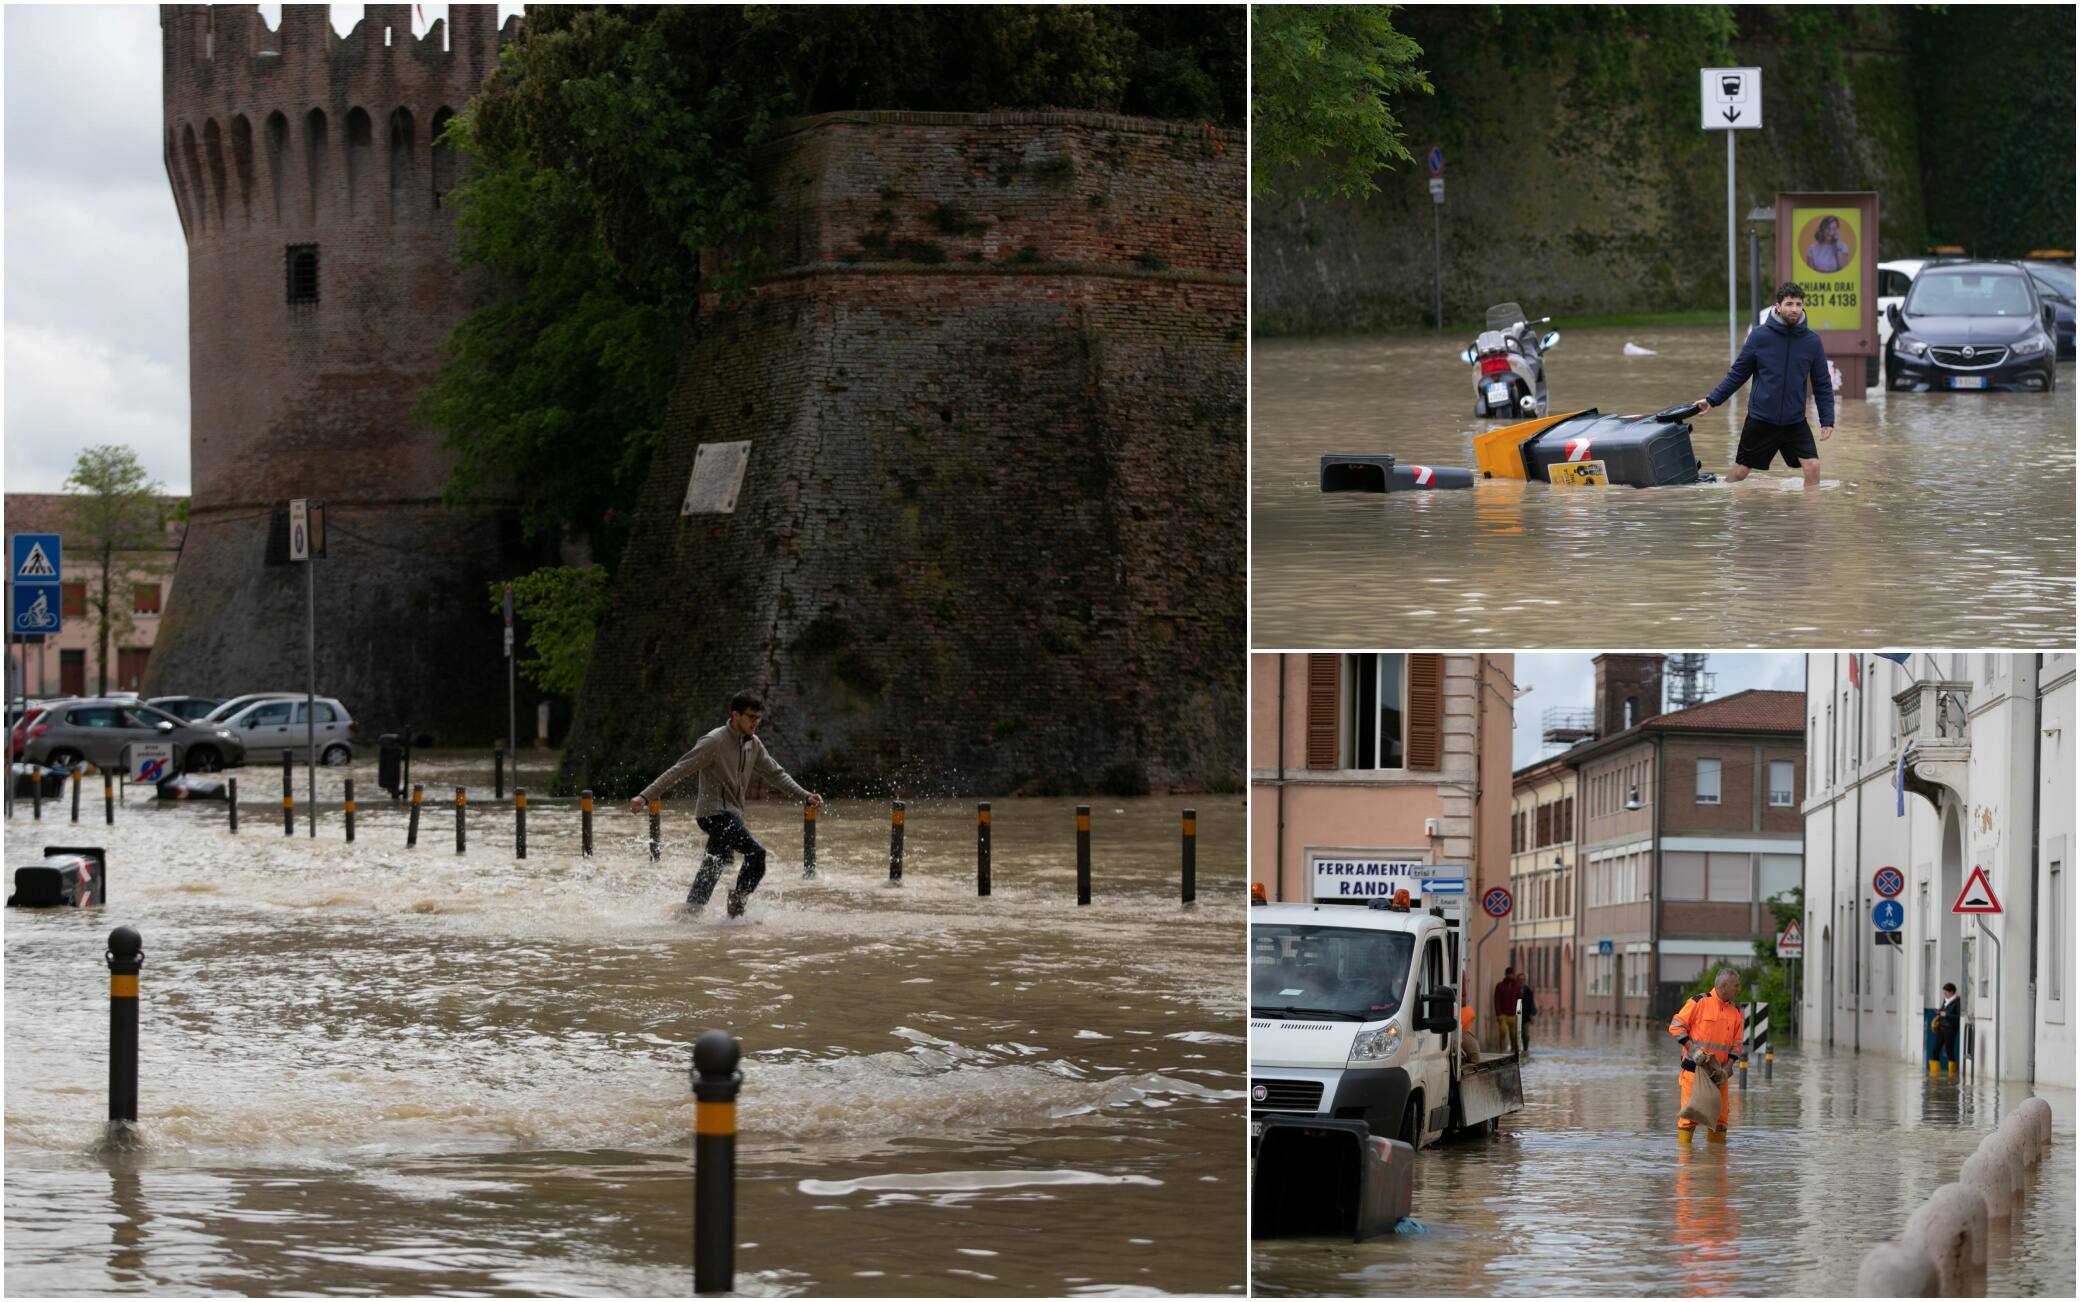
(1887, 915)
(1497, 902)
(1436, 160)
(1888, 882)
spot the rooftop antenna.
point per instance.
(1689, 683)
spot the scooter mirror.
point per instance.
(1466, 356)
(1552, 337)
(1529, 404)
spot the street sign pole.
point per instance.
(1987, 932)
(1733, 320)
(1437, 256)
(310, 708)
(512, 719)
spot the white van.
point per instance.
(1354, 1014)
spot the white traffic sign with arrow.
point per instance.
(1732, 99)
(1977, 895)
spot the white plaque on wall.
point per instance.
(718, 475)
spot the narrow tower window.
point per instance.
(303, 273)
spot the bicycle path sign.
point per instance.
(35, 569)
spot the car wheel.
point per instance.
(336, 756)
(63, 758)
(204, 759)
(1412, 1123)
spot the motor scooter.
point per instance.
(1509, 368)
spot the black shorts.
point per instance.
(1762, 440)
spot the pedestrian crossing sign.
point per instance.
(37, 558)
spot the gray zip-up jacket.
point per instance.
(725, 763)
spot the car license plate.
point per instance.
(1967, 381)
(1498, 392)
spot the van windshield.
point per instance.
(1303, 970)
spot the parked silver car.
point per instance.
(271, 725)
(190, 708)
(101, 730)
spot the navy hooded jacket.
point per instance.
(1781, 358)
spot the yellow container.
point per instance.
(1496, 453)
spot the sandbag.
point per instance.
(1702, 1110)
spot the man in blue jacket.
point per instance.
(1782, 354)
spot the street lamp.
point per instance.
(1632, 798)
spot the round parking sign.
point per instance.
(1888, 882)
(1497, 902)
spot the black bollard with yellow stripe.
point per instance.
(230, 804)
(77, 782)
(519, 822)
(716, 1081)
(1191, 855)
(125, 960)
(288, 797)
(498, 771)
(585, 823)
(1083, 854)
(982, 812)
(350, 811)
(656, 829)
(895, 843)
(461, 820)
(108, 798)
(411, 831)
(808, 841)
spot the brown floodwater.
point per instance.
(1942, 519)
(1587, 1193)
(372, 1070)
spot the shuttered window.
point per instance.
(1426, 712)
(1321, 711)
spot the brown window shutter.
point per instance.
(1426, 712)
(1321, 711)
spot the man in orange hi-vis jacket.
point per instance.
(1709, 1026)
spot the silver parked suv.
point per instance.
(100, 731)
(274, 724)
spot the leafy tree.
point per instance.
(615, 143)
(562, 607)
(1324, 80)
(114, 510)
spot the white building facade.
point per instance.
(1982, 747)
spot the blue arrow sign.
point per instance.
(34, 610)
(1445, 886)
(1887, 915)
(36, 559)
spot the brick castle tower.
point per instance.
(322, 285)
(987, 397)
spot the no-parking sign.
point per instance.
(1497, 902)
(1888, 882)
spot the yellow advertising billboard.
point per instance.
(1827, 263)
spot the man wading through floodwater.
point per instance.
(1781, 354)
(725, 760)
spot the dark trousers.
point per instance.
(726, 836)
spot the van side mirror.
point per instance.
(1437, 1012)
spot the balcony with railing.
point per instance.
(1935, 732)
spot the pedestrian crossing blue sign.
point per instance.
(34, 611)
(36, 559)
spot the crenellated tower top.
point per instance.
(255, 116)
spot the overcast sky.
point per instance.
(97, 272)
(1567, 679)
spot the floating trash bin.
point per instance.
(1318, 1176)
(1364, 472)
(1589, 449)
(69, 877)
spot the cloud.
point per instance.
(68, 391)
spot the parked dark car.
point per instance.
(1972, 325)
(190, 708)
(2055, 286)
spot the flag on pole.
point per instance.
(1856, 671)
(1899, 658)
(1899, 785)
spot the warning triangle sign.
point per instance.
(1792, 943)
(36, 565)
(1977, 895)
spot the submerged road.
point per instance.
(1942, 518)
(367, 1070)
(1587, 1192)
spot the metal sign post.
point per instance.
(1732, 102)
(306, 544)
(1993, 940)
(35, 608)
(1435, 162)
(512, 720)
